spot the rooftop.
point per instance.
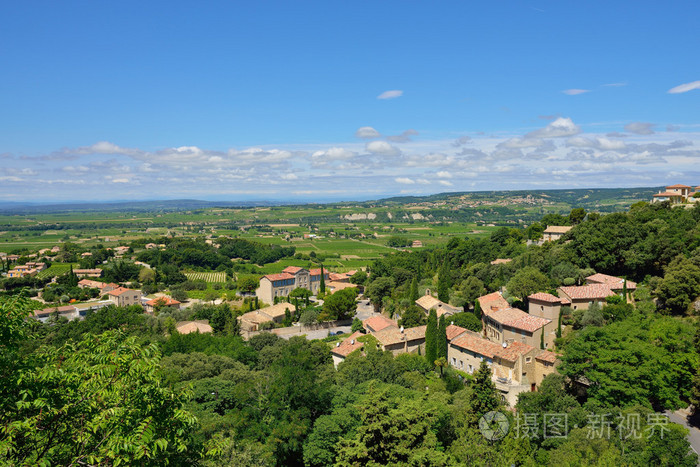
(378, 322)
(493, 301)
(349, 345)
(544, 297)
(278, 277)
(611, 281)
(278, 311)
(547, 356)
(587, 292)
(292, 269)
(393, 335)
(562, 229)
(187, 327)
(454, 331)
(518, 319)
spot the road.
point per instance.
(681, 417)
(364, 311)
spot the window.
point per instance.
(528, 359)
(471, 369)
(542, 307)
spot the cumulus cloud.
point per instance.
(444, 174)
(681, 88)
(393, 94)
(333, 154)
(105, 147)
(445, 183)
(575, 92)
(289, 176)
(640, 128)
(382, 148)
(560, 127)
(367, 132)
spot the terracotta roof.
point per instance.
(317, 272)
(493, 301)
(547, 356)
(518, 319)
(454, 331)
(587, 292)
(162, 301)
(334, 276)
(187, 327)
(278, 277)
(666, 194)
(427, 302)
(562, 229)
(544, 297)
(378, 322)
(254, 317)
(474, 343)
(393, 335)
(513, 350)
(615, 283)
(678, 186)
(292, 269)
(349, 345)
(340, 285)
(119, 291)
(277, 311)
(91, 283)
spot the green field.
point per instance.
(54, 270)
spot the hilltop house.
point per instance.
(546, 305)
(676, 194)
(292, 277)
(427, 302)
(200, 326)
(252, 320)
(555, 232)
(161, 302)
(513, 325)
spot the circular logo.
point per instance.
(494, 425)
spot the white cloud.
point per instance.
(333, 154)
(289, 176)
(684, 87)
(575, 92)
(390, 94)
(558, 128)
(461, 141)
(382, 148)
(367, 132)
(445, 182)
(614, 85)
(640, 128)
(405, 181)
(444, 174)
(120, 180)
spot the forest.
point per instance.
(123, 387)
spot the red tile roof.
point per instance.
(292, 269)
(278, 277)
(317, 272)
(547, 356)
(119, 290)
(544, 297)
(501, 261)
(492, 302)
(393, 335)
(678, 186)
(378, 322)
(588, 292)
(518, 319)
(513, 350)
(615, 283)
(454, 331)
(479, 345)
(666, 194)
(349, 345)
(162, 301)
(562, 229)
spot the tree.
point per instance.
(431, 337)
(378, 289)
(527, 281)
(211, 295)
(412, 317)
(357, 325)
(340, 305)
(466, 320)
(593, 316)
(443, 284)
(179, 295)
(542, 339)
(248, 284)
(484, 391)
(413, 293)
(442, 339)
(559, 324)
(472, 288)
(147, 276)
(477, 309)
(680, 286)
(576, 216)
(322, 285)
(359, 278)
(97, 401)
(301, 293)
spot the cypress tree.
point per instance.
(485, 396)
(477, 309)
(559, 324)
(322, 286)
(542, 339)
(414, 290)
(73, 282)
(431, 336)
(442, 338)
(443, 286)
(624, 290)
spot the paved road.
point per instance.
(681, 417)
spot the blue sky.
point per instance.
(344, 100)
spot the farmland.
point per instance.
(206, 276)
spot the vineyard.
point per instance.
(55, 269)
(206, 276)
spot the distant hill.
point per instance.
(126, 206)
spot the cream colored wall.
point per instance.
(264, 291)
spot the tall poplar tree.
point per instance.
(443, 284)
(431, 338)
(414, 290)
(477, 309)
